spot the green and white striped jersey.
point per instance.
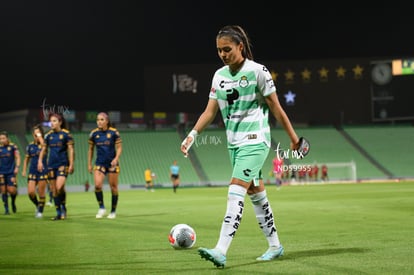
(241, 101)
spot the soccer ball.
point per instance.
(182, 236)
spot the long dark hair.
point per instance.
(61, 118)
(38, 127)
(4, 133)
(237, 35)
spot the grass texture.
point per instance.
(364, 228)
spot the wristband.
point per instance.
(193, 134)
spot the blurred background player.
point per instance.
(175, 175)
(50, 192)
(278, 170)
(149, 179)
(9, 167)
(36, 181)
(324, 173)
(87, 185)
(315, 172)
(59, 145)
(108, 143)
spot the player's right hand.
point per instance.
(188, 142)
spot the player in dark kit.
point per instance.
(109, 148)
(59, 144)
(9, 166)
(35, 180)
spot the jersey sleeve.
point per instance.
(27, 150)
(265, 82)
(70, 139)
(213, 94)
(117, 137)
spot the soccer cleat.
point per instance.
(112, 215)
(272, 253)
(212, 255)
(14, 208)
(49, 203)
(39, 215)
(6, 212)
(101, 213)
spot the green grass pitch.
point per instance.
(364, 228)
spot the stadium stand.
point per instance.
(390, 146)
(371, 148)
(156, 150)
(211, 150)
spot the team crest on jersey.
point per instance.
(108, 135)
(60, 136)
(243, 82)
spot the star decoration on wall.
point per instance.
(274, 75)
(306, 75)
(340, 72)
(323, 73)
(357, 71)
(290, 98)
(289, 75)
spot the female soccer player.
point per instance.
(9, 167)
(278, 170)
(175, 175)
(35, 179)
(244, 92)
(149, 179)
(60, 146)
(109, 148)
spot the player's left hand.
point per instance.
(303, 147)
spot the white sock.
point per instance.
(265, 218)
(232, 219)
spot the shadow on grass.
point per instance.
(294, 255)
(322, 252)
